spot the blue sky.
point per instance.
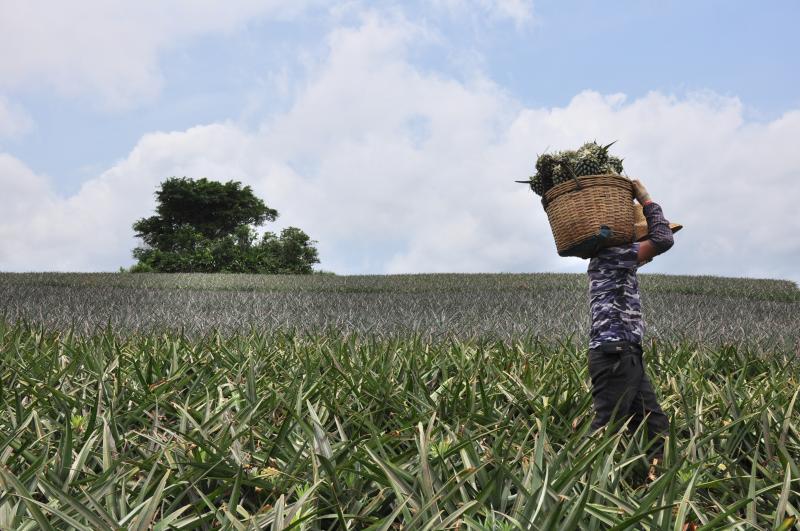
(85, 93)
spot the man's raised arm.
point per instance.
(659, 235)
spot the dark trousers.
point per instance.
(621, 389)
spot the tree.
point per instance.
(208, 226)
(292, 252)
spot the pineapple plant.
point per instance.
(544, 170)
(560, 173)
(536, 184)
(589, 159)
(616, 164)
(587, 164)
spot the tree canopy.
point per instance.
(207, 226)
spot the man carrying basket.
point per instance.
(620, 386)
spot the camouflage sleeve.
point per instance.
(658, 231)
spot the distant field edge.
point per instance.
(732, 287)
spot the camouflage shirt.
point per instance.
(614, 289)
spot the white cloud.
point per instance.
(13, 120)
(109, 48)
(91, 230)
(394, 169)
(29, 197)
(519, 11)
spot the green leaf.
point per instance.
(145, 518)
(10, 482)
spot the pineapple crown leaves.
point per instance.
(590, 158)
(544, 164)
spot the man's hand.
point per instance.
(640, 192)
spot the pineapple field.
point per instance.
(146, 401)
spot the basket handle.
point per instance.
(578, 185)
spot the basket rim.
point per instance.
(585, 180)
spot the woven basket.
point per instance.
(589, 213)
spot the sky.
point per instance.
(391, 132)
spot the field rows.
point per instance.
(272, 430)
(701, 309)
(414, 402)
